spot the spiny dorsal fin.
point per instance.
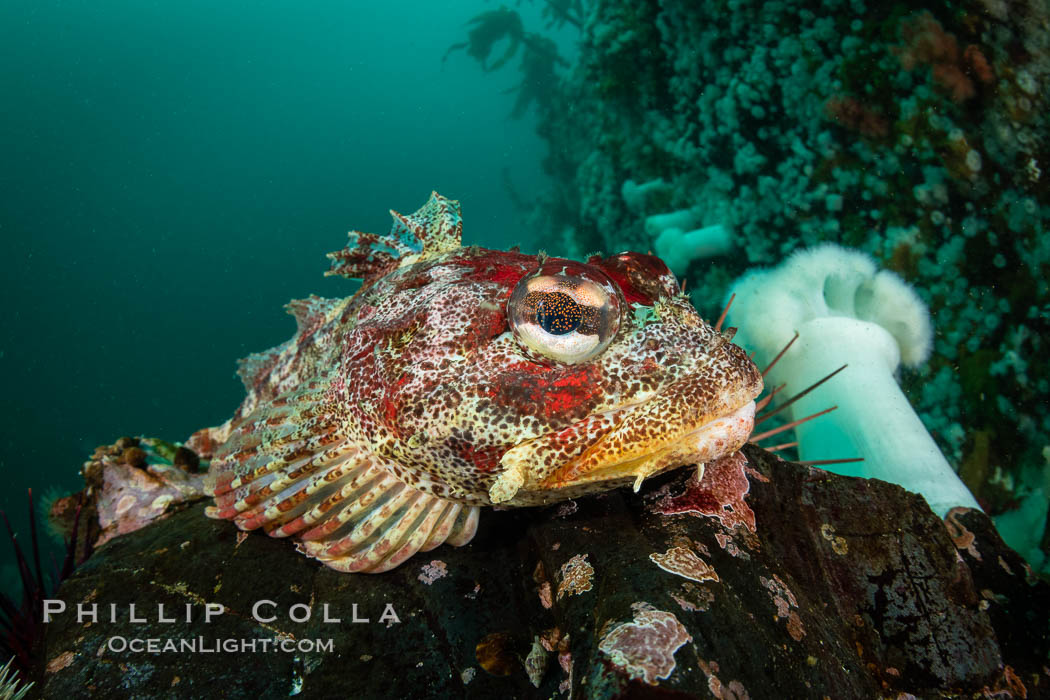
(436, 228)
(254, 368)
(311, 313)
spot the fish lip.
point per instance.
(697, 446)
(630, 447)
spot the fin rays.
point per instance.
(290, 469)
(356, 516)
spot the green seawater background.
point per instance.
(171, 174)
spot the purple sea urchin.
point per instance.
(21, 628)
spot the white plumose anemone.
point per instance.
(678, 248)
(847, 312)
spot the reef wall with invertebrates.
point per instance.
(764, 579)
(917, 133)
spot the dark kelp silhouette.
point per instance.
(539, 55)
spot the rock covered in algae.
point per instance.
(766, 579)
(127, 486)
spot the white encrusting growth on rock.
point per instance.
(848, 312)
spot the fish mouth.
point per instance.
(713, 439)
(688, 422)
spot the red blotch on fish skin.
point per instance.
(391, 404)
(641, 278)
(484, 459)
(498, 267)
(566, 392)
(390, 412)
(504, 274)
(632, 295)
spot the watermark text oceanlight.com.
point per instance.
(200, 645)
(262, 611)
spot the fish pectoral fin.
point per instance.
(376, 530)
(291, 468)
(354, 515)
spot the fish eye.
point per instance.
(565, 317)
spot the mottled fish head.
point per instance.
(504, 378)
(458, 377)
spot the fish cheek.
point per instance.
(553, 397)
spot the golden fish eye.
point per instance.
(565, 317)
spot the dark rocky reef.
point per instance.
(769, 580)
